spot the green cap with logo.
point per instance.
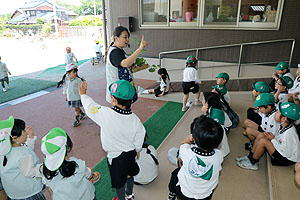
(122, 89)
(264, 99)
(5, 132)
(217, 115)
(282, 66)
(223, 75)
(288, 81)
(290, 110)
(220, 88)
(261, 87)
(191, 59)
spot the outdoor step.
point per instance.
(282, 182)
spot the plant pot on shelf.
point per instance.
(137, 68)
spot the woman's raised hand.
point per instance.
(143, 42)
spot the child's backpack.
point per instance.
(235, 119)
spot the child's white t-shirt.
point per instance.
(163, 84)
(3, 70)
(98, 48)
(196, 180)
(190, 74)
(268, 123)
(296, 86)
(224, 146)
(283, 97)
(287, 143)
(227, 98)
(76, 187)
(69, 58)
(148, 168)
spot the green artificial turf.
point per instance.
(158, 127)
(23, 86)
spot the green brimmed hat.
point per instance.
(54, 147)
(5, 133)
(264, 99)
(220, 88)
(191, 59)
(282, 66)
(217, 115)
(122, 89)
(290, 110)
(223, 75)
(261, 87)
(288, 81)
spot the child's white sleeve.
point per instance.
(27, 167)
(30, 142)
(64, 89)
(87, 172)
(197, 77)
(6, 69)
(93, 110)
(139, 137)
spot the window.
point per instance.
(232, 14)
(154, 12)
(32, 13)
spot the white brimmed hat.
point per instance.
(54, 147)
(70, 66)
(5, 132)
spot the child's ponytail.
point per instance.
(61, 82)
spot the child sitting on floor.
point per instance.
(222, 79)
(295, 90)
(283, 147)
(282, 69)
(200, 163)
(282, 85)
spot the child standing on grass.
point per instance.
(4, 75)
(200, 163)
(70, 82)
(122, 134)
(283, 147)
(163, 87)
(70, 57)
(67, 177)
(190, 82)
(19, 166)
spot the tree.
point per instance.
(40, 21)
(87, 7)
(86, 21)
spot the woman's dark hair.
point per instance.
(163, 72)
(207, 133)
(67, 168)
(212, 99)
(19, 126)
(61, 82)
(117, 32)
(124, 102)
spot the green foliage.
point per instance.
(40, 21)
(24, 28)
(87, 7)
(86, 21)
(4, 19)
(153, 68)
(140, 62)
(47, 28)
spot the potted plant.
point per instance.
(153, 68)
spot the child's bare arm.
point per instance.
(188, 140)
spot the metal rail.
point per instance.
(241, 45)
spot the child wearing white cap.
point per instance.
(68, 177)
(70, 82)
(122, 134)
(19, 165)
(70, 57)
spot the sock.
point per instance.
(145, 92)
(121, 193)
(129, 186)
(252, 160)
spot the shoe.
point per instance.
(81, 115)
(4, 90)
(248, 146)
(198, 103)
(189, 104)
(8, 86)
(95, 177)
(241, 158)
(246, 164)
(172, 196)
(129, 197)
(184, 108)
(76, 122)
(140, 89)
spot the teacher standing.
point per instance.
(117, 62)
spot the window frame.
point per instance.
(201, 25)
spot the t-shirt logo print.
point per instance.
(197, 168)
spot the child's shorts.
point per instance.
(122, 166)
(157, 91)
(279, 160)
(4, 79)
(75, 104)
(190, 87)
(253, 116)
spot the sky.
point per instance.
(9, 6)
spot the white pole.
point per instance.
(55, 19)
(95, 13)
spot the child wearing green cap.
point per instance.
(282, 85)
(283, 147)
(19, 165)
(265, 103)
(122, 134)
(67, 177)
(190, 82)
(282, 69)
(295, 90)
(222, 90)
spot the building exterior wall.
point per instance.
(172, 39)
